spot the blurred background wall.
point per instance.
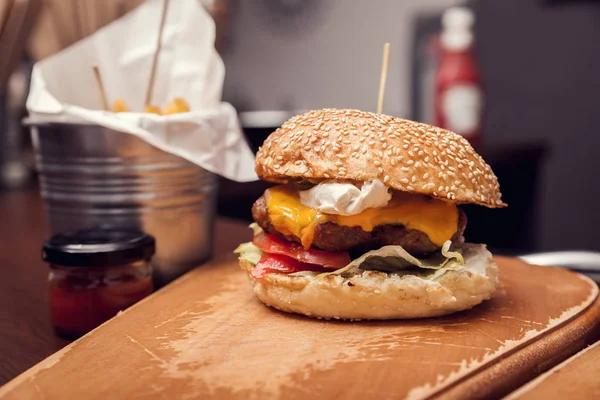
(540, 63)
(320, 53)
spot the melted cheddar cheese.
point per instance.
(437, 219)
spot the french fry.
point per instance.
(152, 109)
(120, 106)
(178, 105)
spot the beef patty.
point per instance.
(333, 237)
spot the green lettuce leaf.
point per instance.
(249, 252)
(255, 228)
(394, 259)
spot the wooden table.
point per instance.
(26, 335)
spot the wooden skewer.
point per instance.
(4, 13)
(77, 20)
(99, 12)
(163, 18)
(121, 8)
(84, 17)
(384, 68)
(100, 86)
(59, 26)
(92, 12)
(14, 37)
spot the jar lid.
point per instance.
(98, 248)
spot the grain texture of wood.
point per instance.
(576, 378)
(206, 335)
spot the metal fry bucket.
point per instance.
(92, 176)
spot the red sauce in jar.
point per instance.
(83, 298)
(94, 275)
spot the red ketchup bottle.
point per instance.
(458, 90)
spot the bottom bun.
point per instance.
(379, 295)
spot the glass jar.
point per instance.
(94, 274)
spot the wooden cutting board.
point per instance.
(206, 335)
(575, 378)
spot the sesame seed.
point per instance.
(404, 180)
(386, 178)
(422, 146)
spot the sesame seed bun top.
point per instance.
(362, 146)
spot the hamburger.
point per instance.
(365, 221)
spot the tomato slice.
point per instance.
(280, 263)
(327, 259)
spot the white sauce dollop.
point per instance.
(331, 197)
